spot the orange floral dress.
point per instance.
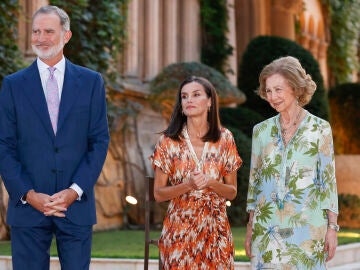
(196, 232)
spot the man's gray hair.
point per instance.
(64, 18)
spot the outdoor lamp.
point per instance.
(130, 199)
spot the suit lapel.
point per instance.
(70, 92)
(35, 93)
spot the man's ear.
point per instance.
(67, 36)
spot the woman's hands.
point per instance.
(248, 235)
(198, 180)
(331, 240)
(330, 243)
(247, 243)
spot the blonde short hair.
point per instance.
(290, 68)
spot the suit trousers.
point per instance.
(31, 245)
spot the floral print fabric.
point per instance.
(290, 189)
(196, 233)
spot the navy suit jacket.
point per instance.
(32, 157)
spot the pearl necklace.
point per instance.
(286, 131)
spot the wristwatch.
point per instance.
(334, 226)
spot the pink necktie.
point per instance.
(52, 98)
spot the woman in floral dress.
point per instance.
(195, 163)
(292, 196)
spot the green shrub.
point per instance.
(215, 47)
(99, 35)
(98, 29)
(240, 121)
(164, 86)
(349, 211)
(264, 49)
(342, 54)
(241, 118)
(237, 211)
(11, 59)
(345, 117)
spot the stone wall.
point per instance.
(348, 182)
(126, 168)
(348, 174)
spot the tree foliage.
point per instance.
(215, 47)
(240, 121)
(241, 118)
(344, 30)
(236, 212)
(10, 56)
(99, 33)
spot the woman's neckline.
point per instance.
(301, 121)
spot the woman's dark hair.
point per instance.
(178, 119)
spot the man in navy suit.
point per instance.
(50, 162)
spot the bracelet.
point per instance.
(334, 226)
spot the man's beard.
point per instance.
(49, 53)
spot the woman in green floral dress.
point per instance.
(292, 196)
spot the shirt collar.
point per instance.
(60, 66)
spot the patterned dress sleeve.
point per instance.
(255, 167)
(231, 158)
(160, 157)
(326, 170)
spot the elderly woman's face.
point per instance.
(279, 94)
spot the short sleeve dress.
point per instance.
(196, 232)
(290, 189)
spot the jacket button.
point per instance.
(56, 150)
